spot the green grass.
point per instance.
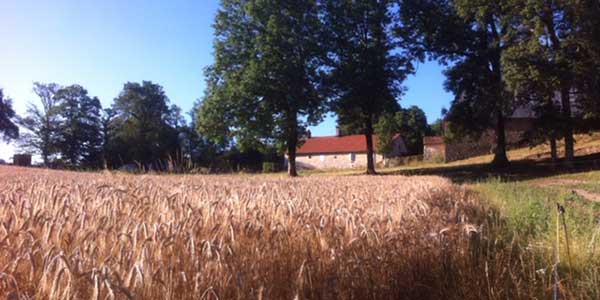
(588, 176)
(529, 214)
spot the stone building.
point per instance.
(23, 160)
(342, 151)
(436, 149)
(519, 122)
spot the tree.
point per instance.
(470, 37)
(143, 131)
(436, 128)
(8, 129)
(79, 132)
(551, 24)
(587, 78)
(532, 78)
(264, 87)
(385, 128)
(410, 123)
(413, 127)
(42, 124)
(367, 66)
(107, 132)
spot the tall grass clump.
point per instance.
(530, 215)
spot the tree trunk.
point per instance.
(292, 159)
(567, 122)
(370, 152)
(500, 158)
(292, 144)
(45, 158)
(553, 150)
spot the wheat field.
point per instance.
(67, 235)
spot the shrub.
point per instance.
(269, 167)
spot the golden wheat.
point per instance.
(71, 235)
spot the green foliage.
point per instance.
(269, 167)
(264, 87)
(143, 126)
(367, 66)
(79, 133)
(471, 36)
(8, 129)
(412, 125)
(41, 124)
(436, 128)
(385, 129)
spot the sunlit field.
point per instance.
(71, 235)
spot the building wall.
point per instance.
(435, 148)
(23, 160)
(434, 152)
(334, 161)
(398, 148)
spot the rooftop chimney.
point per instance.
(338, 131)
(308, 134)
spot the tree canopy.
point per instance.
(143, 126)
(8, 129)
(79, 133)
(264, 87)
(41, 124)
(471, 37)
(367, 66)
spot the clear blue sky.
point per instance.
(103, 44)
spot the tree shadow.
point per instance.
(517, 170)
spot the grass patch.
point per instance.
(529, 214)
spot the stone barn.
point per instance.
(436, 149)
(342, 151)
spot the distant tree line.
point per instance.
(68, 128)
(280, 66)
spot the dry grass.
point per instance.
(108, 236)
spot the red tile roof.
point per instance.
(337, 144)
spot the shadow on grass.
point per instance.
(515, 171)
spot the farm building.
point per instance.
(342, 151)
(436, 149)
(23, 160)
(516, 125)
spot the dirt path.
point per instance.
(587, 195)
(558, 182)
(567, 183)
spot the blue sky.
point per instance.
(103, 44)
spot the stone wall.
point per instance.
(334, 161)
(434, 148)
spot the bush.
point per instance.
(269, 167)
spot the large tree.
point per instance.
(264, 86)
(42, 123)
(587, 77)
(367, 65)
(142, 126)
(470, 37)
(8, 129)
(79, 132)
(551, 24)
